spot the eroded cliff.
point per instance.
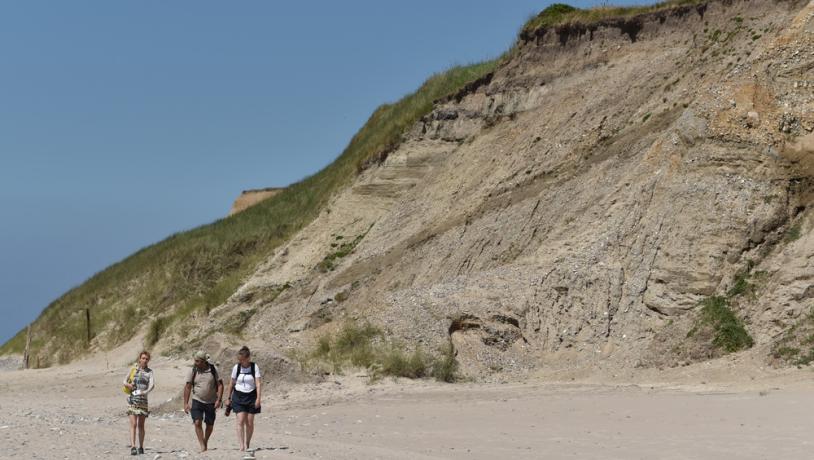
(579, 202)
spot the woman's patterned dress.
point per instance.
(142, 384)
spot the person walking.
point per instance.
(206, 388)
(244, 392)
(138, 383)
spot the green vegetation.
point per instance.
(794, 232)
(237, 323)
(342, 250)
(196, 270)
(157, 328)
(806, 359)
(743, 285)
(729, 335)
(740, 286)
(445, 369)
(560, 14)
(786, 352)
(366, 346)
(342, 296)
(718, 324)
(555, 14)
(797, 345)
(396, 363)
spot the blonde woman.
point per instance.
(244, 396)
(140, 382)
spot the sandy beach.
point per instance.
(699, 412)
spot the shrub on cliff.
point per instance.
(728, 332)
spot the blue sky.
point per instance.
(124, 122)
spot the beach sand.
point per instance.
(699, 412)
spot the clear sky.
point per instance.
(124, 122)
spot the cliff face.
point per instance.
(249, 198)
(579, 202)
(575, 205)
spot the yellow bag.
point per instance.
(129, 380)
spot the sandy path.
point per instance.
(75, 412)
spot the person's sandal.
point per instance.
(133, 451)
(140, 450)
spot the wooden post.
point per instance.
(27, 346)
(87, 321)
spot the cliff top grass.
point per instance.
(560, 14)
(191, 272)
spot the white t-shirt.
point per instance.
(244, 382)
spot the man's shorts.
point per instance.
(203, 411)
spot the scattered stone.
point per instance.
(752, 119)
(789, 124)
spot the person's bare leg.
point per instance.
(241, 420)
(132, 431)
(249, 429)
(141, 419)
(199, 432)
(209, 429)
